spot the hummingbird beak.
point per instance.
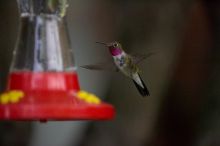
(102, 43)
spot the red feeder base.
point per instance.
(50, 96)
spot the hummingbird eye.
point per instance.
(115, 45)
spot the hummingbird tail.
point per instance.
(142, 89)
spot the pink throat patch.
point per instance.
(115, 51)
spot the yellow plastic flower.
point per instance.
(93, 99)
(82, 94)
(13, 96)
(4, 98)
(14, 99)
(88, 97)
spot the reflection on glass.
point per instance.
(42, 43)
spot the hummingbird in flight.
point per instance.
(124, 63)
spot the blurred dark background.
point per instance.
(183, 75)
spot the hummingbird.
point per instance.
(126, 64)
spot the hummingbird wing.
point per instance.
(137, 58)
(108, 65)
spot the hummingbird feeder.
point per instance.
(43, 83)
